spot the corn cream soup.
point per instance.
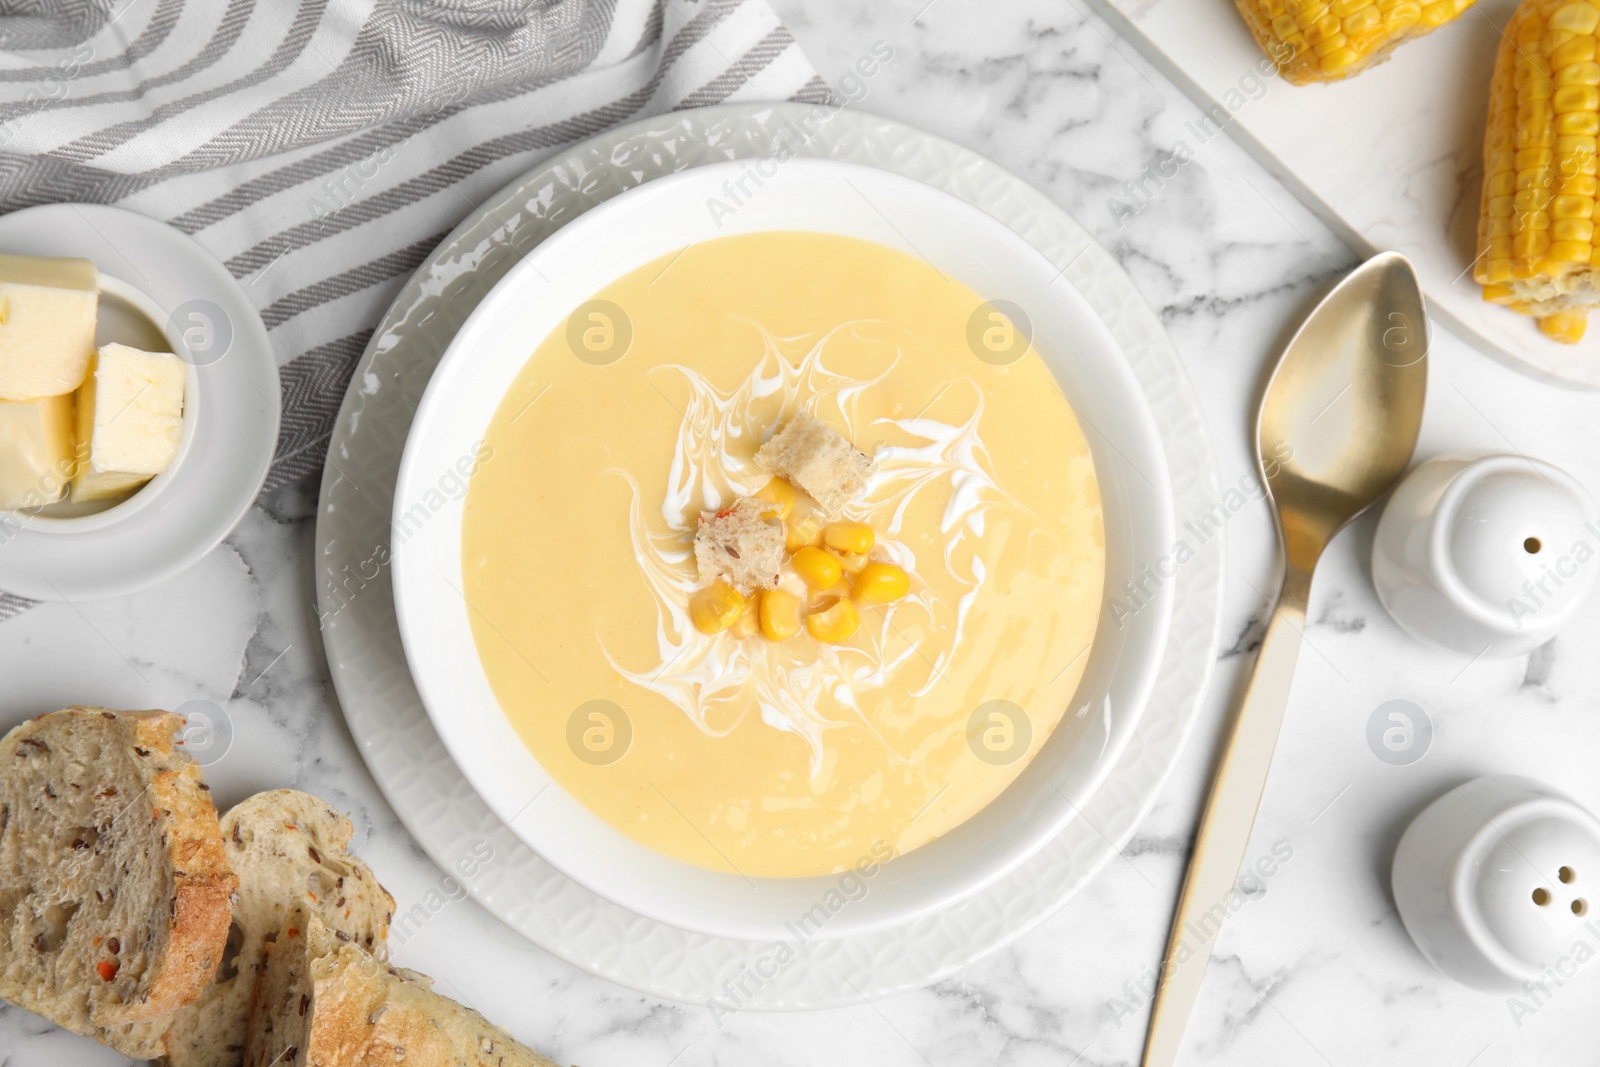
(793, 757)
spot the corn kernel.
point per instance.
(1566, 326)
(848, 536)
(1575, 98)
(780, 494)
(851, 562)
(1362, 21)
(1332, 44)
(716, 607)
(1537, 111)
(1340, 59)
(1578, 185)
(818, 569)
(880, 583)
(1403, 15)
(1586, 123)
(1576, 18)
(1438, 13)
(1539, 134)
(1530, 243)
(1579, 74)
(1572, 207)
(1577, 50)
(834, 622)
(1532, 178)
(780, 614)
(1532, 199)
(1572, 230)
(1569, 252)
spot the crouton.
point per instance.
(817, 458)
(742, 545)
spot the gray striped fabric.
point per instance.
(321, 148)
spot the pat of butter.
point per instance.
(36, 451)
(47, 320)
(130, 416)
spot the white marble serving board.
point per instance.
(1391, 159)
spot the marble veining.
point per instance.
(1314, 969)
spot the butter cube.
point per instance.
(36, 451)
(47, 319)
(130, 416)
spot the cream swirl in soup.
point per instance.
(793, 757)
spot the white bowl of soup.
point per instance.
(615, 386)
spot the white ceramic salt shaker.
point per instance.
(1486, 555)
(1496, 879)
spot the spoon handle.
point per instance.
(1209, 894)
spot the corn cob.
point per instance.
(1323, 41)
(1536, 247)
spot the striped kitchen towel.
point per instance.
(321, 148)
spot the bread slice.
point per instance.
(742, 545)
(819, 459)
(288, 849)
(323, 1002)
(115, 891)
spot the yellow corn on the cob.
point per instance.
(1323, 41)
(1537, 252)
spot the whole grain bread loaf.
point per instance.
(288, 849)
(115, 890)
(323, 1002)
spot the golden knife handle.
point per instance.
(1225, 827)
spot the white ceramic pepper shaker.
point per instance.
(1486, 555)
(1495, 882)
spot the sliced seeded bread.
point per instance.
(819, 459)
(327, 1003)
(742, 544)
(115, 890)
(288, 849)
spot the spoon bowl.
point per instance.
(1341, 412)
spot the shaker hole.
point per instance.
(1541, 896)
(1566, 874)
(1580, 906)
(1532, 546)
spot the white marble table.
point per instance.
(1314, 970)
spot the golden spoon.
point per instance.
(1336, 429)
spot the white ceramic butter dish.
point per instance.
(159, 290)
